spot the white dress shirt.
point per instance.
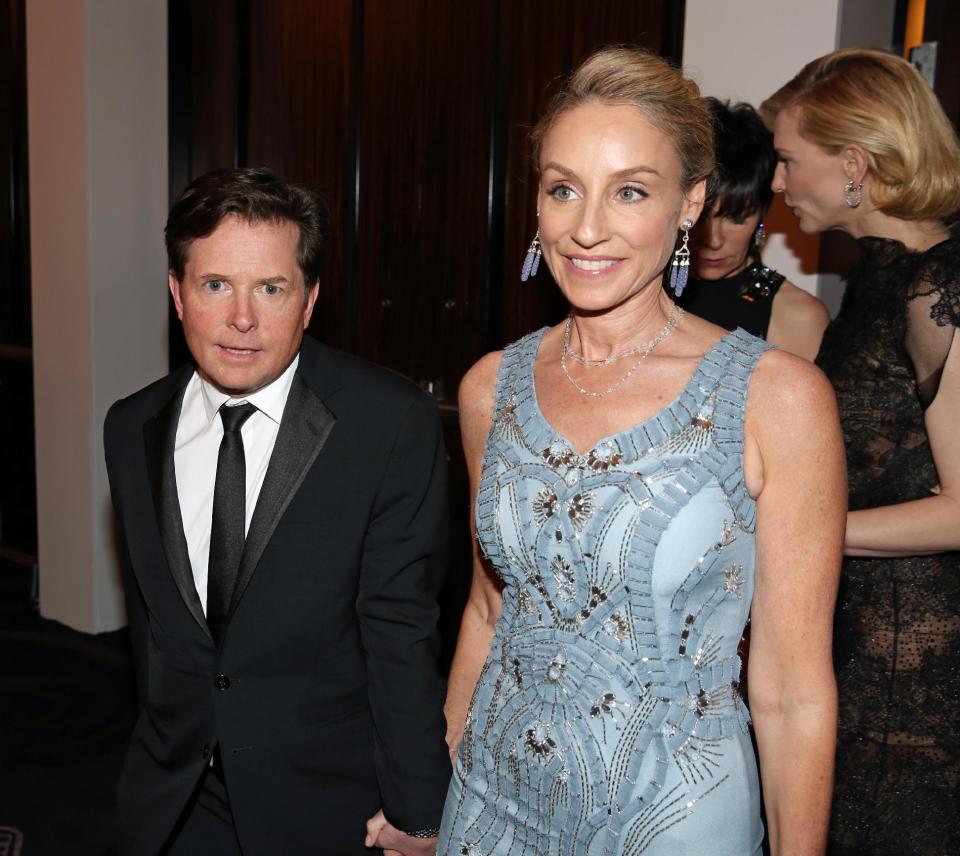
(199, 433)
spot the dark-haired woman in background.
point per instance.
(730, 285)
(865, 147)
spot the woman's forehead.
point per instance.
(615, 137)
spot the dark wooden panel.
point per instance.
(18, 486)
(204, 88)
(942, 25)
(18, 493)
(204, 93)
(14, 242)
(299, 121)
(425, 106)
(541, 41)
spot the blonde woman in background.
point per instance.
(864, 147)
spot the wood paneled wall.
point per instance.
(412, 117)
(18, 512)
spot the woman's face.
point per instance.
(720, 246)
(610, 204)
(810, 178)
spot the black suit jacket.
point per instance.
(324, 696)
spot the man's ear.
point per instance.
(311, 300)
(174, 285)
(856, 162)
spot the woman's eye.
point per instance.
(561, 192)
(631, 194)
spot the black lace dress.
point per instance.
(897, 637)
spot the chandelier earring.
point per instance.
(531, 263)
(853, 193)
(760, 236)
(680, 268)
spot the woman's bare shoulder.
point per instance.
(799, 306)
(478, 386)
(787, 387)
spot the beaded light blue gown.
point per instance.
(607, 719)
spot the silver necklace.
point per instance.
(643, 350)
(604, 361)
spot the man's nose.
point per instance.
(243, 316)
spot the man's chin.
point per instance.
(234, 384)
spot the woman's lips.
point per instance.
(590, 266)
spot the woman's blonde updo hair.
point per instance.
(670, 102)
(880, 102)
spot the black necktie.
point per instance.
(229, 517)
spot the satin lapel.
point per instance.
(305, 427)
(160, 437)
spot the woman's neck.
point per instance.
(599, 336)
(916, 235)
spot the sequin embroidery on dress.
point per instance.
(607, 719)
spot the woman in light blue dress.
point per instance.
(641, 481)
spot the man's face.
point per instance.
(243, 304)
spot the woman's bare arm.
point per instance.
(476, 401)
(931, 524)
(794, 431)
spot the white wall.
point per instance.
(97, 109)
(744, 50)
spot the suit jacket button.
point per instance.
(205, 752)
(222, 682)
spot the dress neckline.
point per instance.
(668, 410)
(875, 245)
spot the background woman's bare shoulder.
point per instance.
(801, 306)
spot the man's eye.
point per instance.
(215, 285)
(270, 288)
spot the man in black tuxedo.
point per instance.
(281, 509)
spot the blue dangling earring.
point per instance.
(531, 264)
(680, 268)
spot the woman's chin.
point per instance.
(710, 274)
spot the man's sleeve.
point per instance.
(136, 611)
(403, 568)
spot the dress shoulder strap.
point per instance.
(733, 362)
(516, 369)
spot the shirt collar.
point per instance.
(270, 400)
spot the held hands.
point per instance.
(382, 833)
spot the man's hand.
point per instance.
(382, 833)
